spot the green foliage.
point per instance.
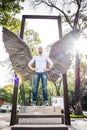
(58, 87)
(78, 108)
(32, 38)
(78, 116)
(51, 92)
(7, 93)
(8, 10)
(22, 94)
(28, 91)
(25, 92)
(14, 25)
(40, 96)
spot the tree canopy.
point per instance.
(8, 11)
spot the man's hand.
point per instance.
(47, 69)
(34, 69)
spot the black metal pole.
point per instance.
(22, 27)
(65, 86)
(14, 103)
(66, 104)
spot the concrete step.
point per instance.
(40, 110)
(39, 127)
(40, 119)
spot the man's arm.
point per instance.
(49, 67)
(30, 65)
(32, 68)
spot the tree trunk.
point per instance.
(78, 107)
(22, 93)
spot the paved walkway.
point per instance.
(5, 121)
(76, 124)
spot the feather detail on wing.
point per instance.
(19, 53)
(61, 54)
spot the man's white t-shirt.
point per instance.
(40, 62)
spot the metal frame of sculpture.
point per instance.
(61, 53)
(58, 18)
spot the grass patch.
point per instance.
(78, 116)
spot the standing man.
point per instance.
(40, 70)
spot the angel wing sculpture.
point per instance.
(61, 53)
(20, 54)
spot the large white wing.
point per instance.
(19, 53)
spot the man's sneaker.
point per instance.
(46, 103)
(33, 104)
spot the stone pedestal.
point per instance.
(40, 118)
(32, 110)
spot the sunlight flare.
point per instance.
(81, 46)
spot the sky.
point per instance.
(4, 73)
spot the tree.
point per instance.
(6, 92)
(8, 11)
(57, 85)
(83, 74)
(72, 11)
(33, 39)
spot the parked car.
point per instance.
(8, 108)
(5, 108)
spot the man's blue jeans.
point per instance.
(43, 77)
